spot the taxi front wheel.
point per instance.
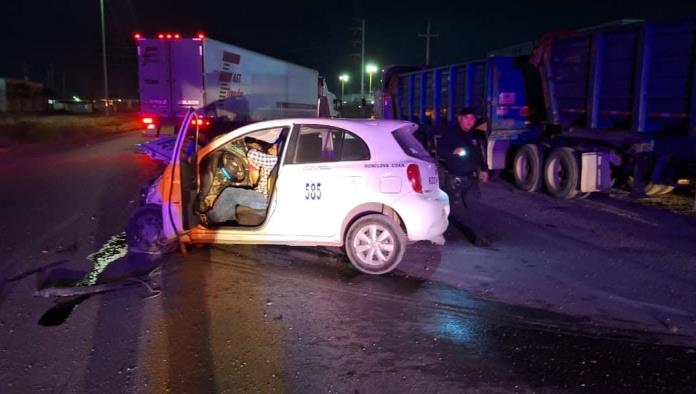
(144, 232)
(375, 244)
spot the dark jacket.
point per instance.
(472, 161)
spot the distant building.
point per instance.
(22, 96)
(71, 106)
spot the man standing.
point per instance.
(463, 152)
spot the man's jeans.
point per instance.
(225, 206)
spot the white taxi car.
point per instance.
(366, 185)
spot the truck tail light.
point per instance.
(148, 120)
(203, 123)
(413, 174)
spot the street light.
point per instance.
(343, 78)
(371, 69)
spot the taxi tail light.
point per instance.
(414, 177)
(148, 120)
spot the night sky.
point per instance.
(47, 39)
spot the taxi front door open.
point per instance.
(179, 182)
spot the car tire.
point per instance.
(527, 168)
(375, 244)
(144, 232)
(562, 174)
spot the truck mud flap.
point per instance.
(159, 149)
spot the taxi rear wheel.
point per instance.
(144, 232)
(375, 244)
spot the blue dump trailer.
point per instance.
(574, 113)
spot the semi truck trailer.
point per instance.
(225, 82)
(573, 114)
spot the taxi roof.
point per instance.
(382, 124)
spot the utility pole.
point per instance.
(360, 25)
(362, 62)
(427, 37)
(106, 81)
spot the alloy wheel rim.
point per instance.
(374, 245)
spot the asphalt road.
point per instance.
(583, 296)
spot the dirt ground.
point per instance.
(33, 128)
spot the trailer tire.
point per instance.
(562, 173)
(527, 168)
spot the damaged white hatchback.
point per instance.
(366, 185)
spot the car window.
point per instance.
(311, 143)
(410, 145)
(354, 148)
(317, 144)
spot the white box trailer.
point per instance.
(223, 80)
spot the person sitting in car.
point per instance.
(224, 208)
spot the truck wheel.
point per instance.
(527, 168)
(375, 244)
(562, 173)
(144, 232)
